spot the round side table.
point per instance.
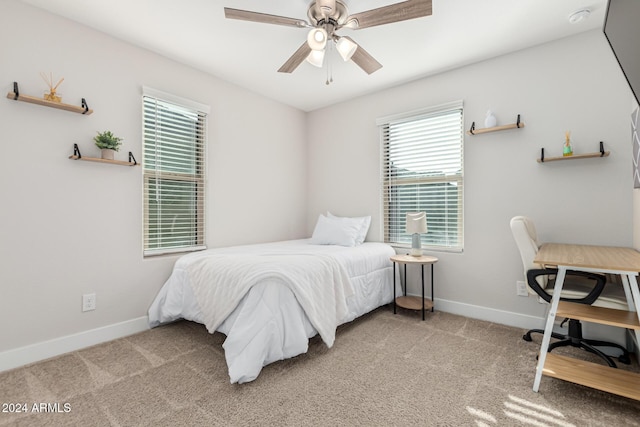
(412, 302)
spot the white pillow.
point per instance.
(363, 223)
(335, 231)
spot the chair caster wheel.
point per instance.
(527, 337)
(624, 359)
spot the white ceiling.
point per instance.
(196, 33)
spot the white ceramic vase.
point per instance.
(490, 120)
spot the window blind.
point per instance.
(174, 176)
(422, 171)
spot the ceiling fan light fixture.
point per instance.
(317, 38)
(346, 48)
(315, 58)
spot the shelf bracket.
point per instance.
(132, 159)
(518, 122)
(85, 106)
(76, 151)
(542, 155)
(15, 91)
(473, 127)
(601, 149)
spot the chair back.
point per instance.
(524, 233)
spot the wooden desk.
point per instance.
(595, 259)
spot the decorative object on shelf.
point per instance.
(490, 120)
(77, 156)
(517, 125)
(567, 150)
(51, 96)
(108, 143)
(600, 153)
(416, 223)
(16, 96)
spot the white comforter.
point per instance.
(318, 281)
(263, 305)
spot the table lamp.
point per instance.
(415, 224)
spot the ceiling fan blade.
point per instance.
(245, 15)
(364, 60)
(403, 11)
(296, 59)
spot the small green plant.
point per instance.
(107, 140)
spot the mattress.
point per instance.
(269, 322)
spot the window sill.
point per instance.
(401, 247)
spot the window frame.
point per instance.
(199, 177)
(385, 184)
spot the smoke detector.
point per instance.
(579, 16)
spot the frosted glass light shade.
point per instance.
(315, 58)
(317, 38)
(346, 48)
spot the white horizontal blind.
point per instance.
(422, 171)
(174, 176)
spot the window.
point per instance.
(174, 132)
(422, 171)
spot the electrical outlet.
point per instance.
(521, 289)
(88, 302)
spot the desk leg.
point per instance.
(555, 299)
(635, 304)
(394, 288)
(627, 291)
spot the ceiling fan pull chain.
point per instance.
(329, 68)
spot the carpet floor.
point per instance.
(383, 370)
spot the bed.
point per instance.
(269, 299)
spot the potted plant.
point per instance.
(108, 143)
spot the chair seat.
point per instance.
(578, 287)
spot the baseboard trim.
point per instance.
(502, 317)
(26, 355)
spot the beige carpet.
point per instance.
(383, 370)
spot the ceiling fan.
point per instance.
(326, 17)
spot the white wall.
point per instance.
(71, 227)
(572, 84)
(68, 228)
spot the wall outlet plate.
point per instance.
(521, 289)
(88, 302)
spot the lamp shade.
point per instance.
(416, 222)
(346, 48)
(315, 58)
(317, 38)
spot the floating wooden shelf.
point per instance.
(77, 156)
(612, 380)
(601, 153)
(96, 159)
(473, 131)
(17, 96)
